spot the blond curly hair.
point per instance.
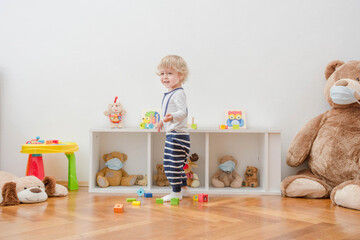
(175, 62)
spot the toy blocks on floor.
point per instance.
(140, 192)
(131, 199)
(174, 201)
(136, 203)
(148, 195)
(119, 208)
(159, 200)
(201, 197)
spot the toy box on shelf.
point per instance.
(149, 118)
(251, 147)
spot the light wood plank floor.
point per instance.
(84, 215)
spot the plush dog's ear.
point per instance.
(331, 67)
(50, 185)
(9, 194)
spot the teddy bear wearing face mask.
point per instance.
(226, 176)
(330, 143)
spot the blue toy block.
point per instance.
(148, 195)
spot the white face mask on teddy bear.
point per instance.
(343, 95)
(114, 164)
(227, 166)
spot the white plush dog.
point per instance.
(28, 189)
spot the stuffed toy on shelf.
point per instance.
(250, 177)
(113, 173)
(160, 178)
(115, 113)
(330, 143)
(29, 189)
(192, 178)
(226, 176)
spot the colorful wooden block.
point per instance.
(136, 203)
(174, 201)
(119, 208)
(159, 200)
(148, 195)
(196, 197)
(140, 192)
(130, 199)
(203, 197)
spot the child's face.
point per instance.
(170, 78)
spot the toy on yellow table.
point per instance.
(35, 166)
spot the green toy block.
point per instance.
(174, 201)
(194, 126)
(236, 127)
(131, 199)
(159, 200)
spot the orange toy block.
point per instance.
(119, 208)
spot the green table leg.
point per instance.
(72, 180)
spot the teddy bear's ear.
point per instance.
(125, 157)
(9, 194)
(105, 157)
(158, 165)
(50, 185)
(331, 67)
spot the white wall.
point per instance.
(62, 62)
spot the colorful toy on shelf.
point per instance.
(119, 208)
(149, 119)
(36, 147)
(115, 113)
(234, 119)
(174, 201)
(226, 175)
(192, 178)
(193, 125)
(159, 201)
(140, 192)
(160, 178)
(223, 126)
(251, 179)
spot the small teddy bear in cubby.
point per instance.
(251, 179)
(160, 178)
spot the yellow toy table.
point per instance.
(35, 165)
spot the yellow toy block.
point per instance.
(136, 203)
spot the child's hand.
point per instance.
(168, 117)
(159, 126)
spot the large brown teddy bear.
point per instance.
(330, 143)
(160, 178)
(114, 175)
(226, 176)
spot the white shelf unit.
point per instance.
(250, 147)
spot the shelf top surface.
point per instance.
(199, 130)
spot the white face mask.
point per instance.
(343, 95)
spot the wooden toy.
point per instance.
(140, 192)
(235, 119)
(119, 208)
(174, 201)
(203, 197)
(136, 203)
(223, 126)
(148, 195)
(130, 199)
(193, 125)
(196, 197)
(149, 119)
(159, 200)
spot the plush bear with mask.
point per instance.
(226, 176)
(330, 143)
(113, 173)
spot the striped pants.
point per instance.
(177, 148)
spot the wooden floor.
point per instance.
(84, 215)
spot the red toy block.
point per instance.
(119, 208)
(203, 197)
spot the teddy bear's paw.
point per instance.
(237, 183)
(217, 183)
(102, 182)
(347, 195)
(303, 187)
